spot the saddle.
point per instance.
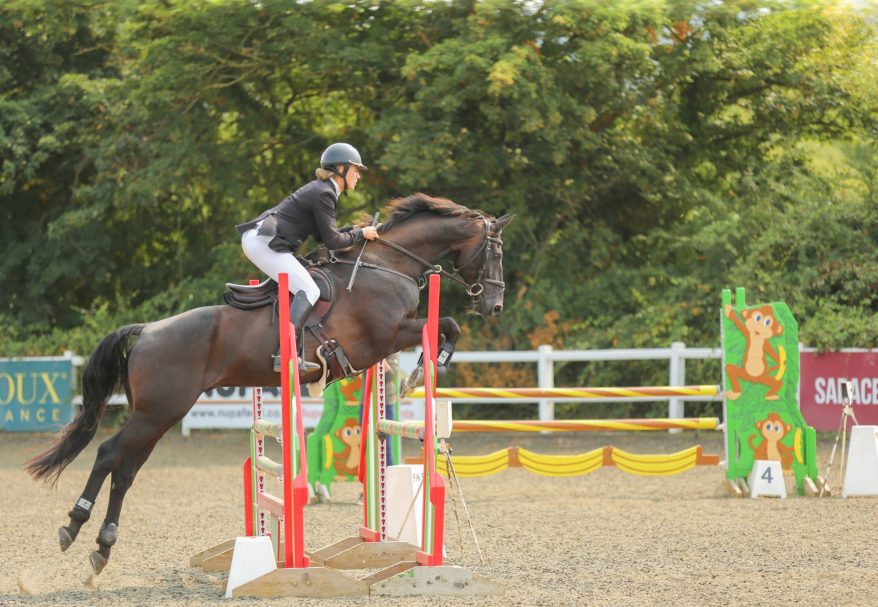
(330, 353)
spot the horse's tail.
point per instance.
(106, 370)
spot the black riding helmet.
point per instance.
(341, 154)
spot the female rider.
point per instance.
(270, 241)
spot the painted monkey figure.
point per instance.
(758, 326)
(347, 461)
(773, 429)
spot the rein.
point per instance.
(372, 266)
(432, 268)
(474, 290)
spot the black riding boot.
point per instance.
(299, 310)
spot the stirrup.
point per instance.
(304, 365)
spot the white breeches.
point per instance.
(274, 263)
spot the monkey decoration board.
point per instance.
(761, 383)
(334, 445)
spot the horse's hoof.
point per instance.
(408, 384)
(109, 533)
(64, 538)
(404, 388)
(98, 562)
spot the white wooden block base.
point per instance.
(861, 471)
(252, 558)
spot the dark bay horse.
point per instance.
(172, 361)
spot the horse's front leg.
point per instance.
(449, 332)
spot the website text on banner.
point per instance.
(820, 394)
(230, 408)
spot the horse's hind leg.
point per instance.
(122, 479)
(105, 462)
(122, 455)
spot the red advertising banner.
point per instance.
(820, 392)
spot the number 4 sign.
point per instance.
(766, 479)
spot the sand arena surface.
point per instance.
(607, 538)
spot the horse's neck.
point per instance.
(429, 240)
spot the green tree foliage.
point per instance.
(654, 152)
(51, 57)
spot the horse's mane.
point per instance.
(401, 209)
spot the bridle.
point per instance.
(474, 290)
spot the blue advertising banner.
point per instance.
(36, 394)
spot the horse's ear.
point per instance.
(501, 222)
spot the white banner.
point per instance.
(232, 408)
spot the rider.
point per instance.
(271, 240)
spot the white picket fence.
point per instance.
(545, 357)
(229, 408)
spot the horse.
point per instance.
(172, 361)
